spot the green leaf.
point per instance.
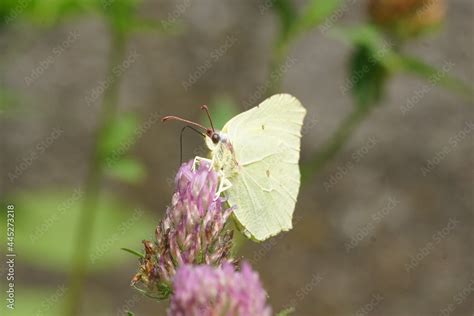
(129, 313)
(133, 252)
(119, 137)
(164, 290)
(286, 311)
(367, 77)
(365, 35)
(125, 169)
(315, 13)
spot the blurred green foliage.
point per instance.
(48, 233)
(384, 56)
(46, 223)
(117, 136)
(294, 23)
(8, 101)
(374, 60)
(122, 15)
(127, 170)
(222, 108)
(45, 13)
(39, 301)
(114, 147)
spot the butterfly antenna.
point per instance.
(181, 141)
(205, 108)
(177, 118)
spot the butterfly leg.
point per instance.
(197, 161)
(224, 185)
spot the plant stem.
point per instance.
(88, 215)
(436, 76)
(336, 142)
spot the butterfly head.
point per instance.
(213, 137)
(218, 137)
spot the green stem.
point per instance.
(335, 143)
(88, 215)
(438, 76)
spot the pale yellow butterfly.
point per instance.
(256, 155)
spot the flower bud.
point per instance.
(407, 18)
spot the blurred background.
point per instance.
(383, 224)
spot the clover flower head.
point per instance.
(208, 291)
(192, 231)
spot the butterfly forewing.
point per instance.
(266, 144)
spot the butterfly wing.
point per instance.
(266, 142)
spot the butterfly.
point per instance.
(256, 155)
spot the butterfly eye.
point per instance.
(215, 138)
